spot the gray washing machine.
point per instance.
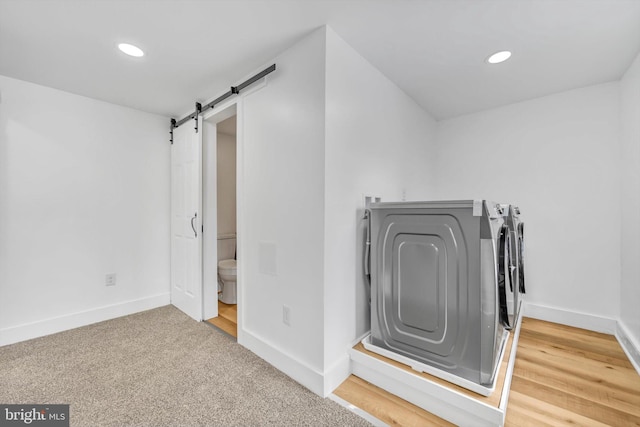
(434, 271)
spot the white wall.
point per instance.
(226, 183)
(556, 157)
(281, 224)
(630, 140)
(378, 142)
(326, 129)
(226, 194)
(84, 191)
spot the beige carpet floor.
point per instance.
(159, 368)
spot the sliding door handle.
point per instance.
(192, 227)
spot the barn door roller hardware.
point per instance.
(192, 116)
(196, 114)
(173, 126)
(235, 90)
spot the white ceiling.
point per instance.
(433, 49)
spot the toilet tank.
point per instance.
(226, 246)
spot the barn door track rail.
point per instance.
(235, 90)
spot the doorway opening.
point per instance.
(220, 254)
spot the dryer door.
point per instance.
(504, 275)
(521, 257)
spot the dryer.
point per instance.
(434, 275)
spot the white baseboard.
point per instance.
(571, 318)
(50, 326)
(297, 370)
(630, 346)
(321, 384)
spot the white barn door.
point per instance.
(186, 220)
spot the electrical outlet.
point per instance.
(110, 279)
(286, 315)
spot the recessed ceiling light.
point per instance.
(499, 57)
(130, 49)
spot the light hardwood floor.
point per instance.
(565, 375)
(227, 319)
(562, 376)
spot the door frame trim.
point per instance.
(216, 114)
(209, 124)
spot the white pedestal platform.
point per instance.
(444, 399)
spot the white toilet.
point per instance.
(228, 272)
